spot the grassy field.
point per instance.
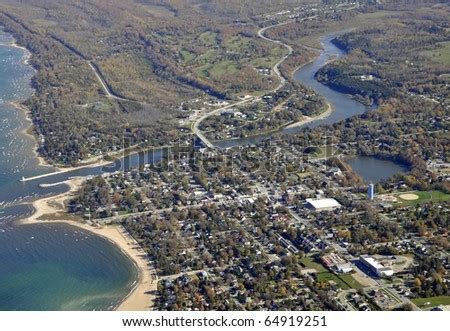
(350, 281)
(440, 54)
(216, 64)
(186, 55)
(309, 263)
(345, 282)
(328, 276)
(424, 196)
(432, 302)
(208, 38)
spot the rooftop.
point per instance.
(323, 203)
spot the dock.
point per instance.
(63, 171)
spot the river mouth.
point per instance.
(13, 195)
(45, 266)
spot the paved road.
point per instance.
(106, 89)
(276, 69)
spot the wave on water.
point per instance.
(45, 266)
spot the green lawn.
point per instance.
(432, 302)
(350, 281)
(343, 281)
(424, 196)
(309, 263)
(217, 69)
(328, 276)
(440, 54)
(238, 44)
(208, 38)
(186, 55)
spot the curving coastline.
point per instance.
(141, 295)
(138, 297)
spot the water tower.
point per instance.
(371, 192)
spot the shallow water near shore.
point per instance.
(60, 267)
(45, 266)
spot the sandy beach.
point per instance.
(27, 55)
(309, 119)
(143, 294)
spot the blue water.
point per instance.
(374, 170)
(45, 267)
(59, 267)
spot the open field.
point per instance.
(422, 197)
(344, 281)
(441, 54)
(432, 302)
(351, 281)
(311, 264)
(328, 276)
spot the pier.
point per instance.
(63, 171)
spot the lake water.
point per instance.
(54, 267)
(374, 170)
(45, 267)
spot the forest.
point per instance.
(158, 54)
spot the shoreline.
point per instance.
(27, 55)
(305, 120)
(87, 163)
(29, 133)
(142, 295)
(309, 119)
(19, 106)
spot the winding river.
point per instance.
(60, 267)
(45, 267)
(344, 106)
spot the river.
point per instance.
(60, 267)
(344, 105)
(45, 267)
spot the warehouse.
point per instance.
(375, 267)
(322, 204)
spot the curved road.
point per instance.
(106, 89)
(276, 69)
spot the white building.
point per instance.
(375, 266)
(322, 204)
(344, 268)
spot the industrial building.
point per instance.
(322, 204)
(336, 263)
(375, 267)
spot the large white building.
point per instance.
(376, 267)
(322, 204)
